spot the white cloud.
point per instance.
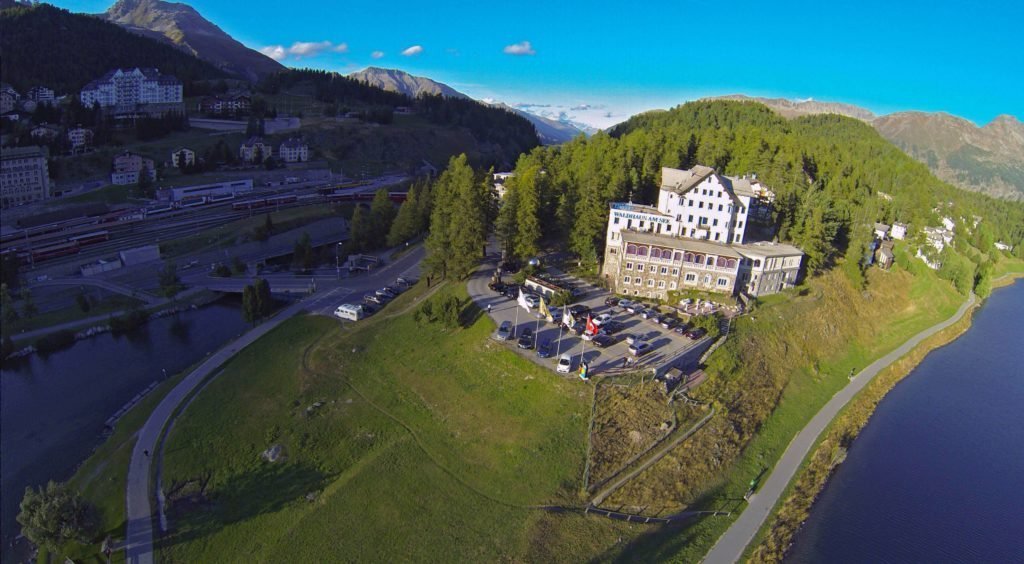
(377, 54)
(301, 49)
(414, 50)
(275, 52)
(519, 49)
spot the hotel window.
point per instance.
(664, 270)
(691, 203)
(629, 223)
(675, 272)
(639, 268)
(700, 205)
(719, 207)
(716, 235)
(638, 281)
(690, 220)
(739, 225)
(707, 279)
(616, 221)
(629, 266)
(691, 277)
(723, 282)
(719, 193)
(715, 222)
(672, 285)
(650, 282)
(661, 284)
(625, 279)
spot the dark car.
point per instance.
(640, 348)
(697, 333)
(370, 308)
(636, 307)
(611, 301)
(498, 287)
(544, 349)
(612, 327)
(510, 291)
(668, 322)
(682, 328)
(649, 313)
(602, 340)
(526, 339)
(579, 310)
(579, 327)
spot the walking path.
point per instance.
(731, 545)
(139, 512)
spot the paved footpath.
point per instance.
(731, 545)
(139, 536)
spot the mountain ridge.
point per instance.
(182, 26)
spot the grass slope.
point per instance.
(426, 445)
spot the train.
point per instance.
(70, 246)
(264, 202)
(397, 197)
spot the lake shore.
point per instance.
(776, 535)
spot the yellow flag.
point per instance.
(544, 310)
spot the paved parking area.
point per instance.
(666, 343)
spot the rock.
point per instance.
(272, 454)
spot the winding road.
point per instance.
(731, 545)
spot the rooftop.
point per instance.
(637, 208)
(680, 243)
(22, 152)
(768, 249)
(681, 181)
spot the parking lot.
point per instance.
(665, 343)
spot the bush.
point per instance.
(222, 271)
(441, 309)
(128, 322)
(54, 515)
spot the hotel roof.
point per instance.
(768, 249)
(681, 243)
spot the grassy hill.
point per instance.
(44, 45)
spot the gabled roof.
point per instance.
(681, 181)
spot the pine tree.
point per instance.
(359, 230)
(406, 223)
(250, 310)
(56, 514)
(507, 224)
(382, 214)
(528, 231)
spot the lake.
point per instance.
(52, 409)
(937, 475)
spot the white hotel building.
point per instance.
(694, 239)
(127, 89)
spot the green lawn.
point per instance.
(72, 313)
(427, 445)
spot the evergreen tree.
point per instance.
(382, 214)
(303, 256)
(507, 224)
(470, 222)
(264, 302)
(360, 230)
(528, 231)
(407, 222)
(250, 308)
(28, 307)
(8, 313)
(170, 284)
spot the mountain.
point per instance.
(987, 159)
(795, 108)
(183, 27)
(404, 83)
(549, 131)
(44, 45)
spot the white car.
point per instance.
(531, 301)
(564, 364)
(602, 319)
(624, 304)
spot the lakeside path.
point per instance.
(730, 546)
(138, 493)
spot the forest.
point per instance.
(52, 47)
(833, 178)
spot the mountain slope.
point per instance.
(404, 83)
(44, 45)
(549, 131)
(184, 27)
(987, 159)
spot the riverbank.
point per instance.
(776, 535)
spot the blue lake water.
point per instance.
(52, 409)
(937, 475)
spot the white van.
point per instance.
(350, 311)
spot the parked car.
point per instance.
(636, 307)
(576, 291)
(697, 333)
(682, 328)
(531, 300)
(602, 340)
(634, 338)
(579, 310)
(668, 322)
(556, 315)
(497, 287)
(393, 289)
(374, 298)
(612, 327)
(526, 339)
(385, 294)
(511, 291)
(602, 319)
(504, 332)
(611, 301)
(588, 336)
(640, 348)
(564, 364)
(649, 313)
(407, 282)
(370, 308)
(624, 304)
(545, 349)
(579, 327)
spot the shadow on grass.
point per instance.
(266, 489)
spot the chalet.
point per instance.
(294, 150)
(182, 157)
(255, 150)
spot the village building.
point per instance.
(79, 138)
(8, 100)
(500, 178)
(255, 150)
(293, 150)
(134, 90)
(44, 132)
(227, 105)
(24, 176)
(898, 231)
(881, 231)
(41, 95)
(128, 167)
(1003, 246)
(884, 256)
(183, 157)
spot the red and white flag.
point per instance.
(591, 326)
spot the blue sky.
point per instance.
(611, 59)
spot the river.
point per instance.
(937, 474)
(52, 409)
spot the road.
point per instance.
(731, 545)
(139, 535)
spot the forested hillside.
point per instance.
(498, 133)
(833, 176)
(44, 45)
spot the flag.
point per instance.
(545, 311)
(522, 300)
(591, 326)
(567, 318)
